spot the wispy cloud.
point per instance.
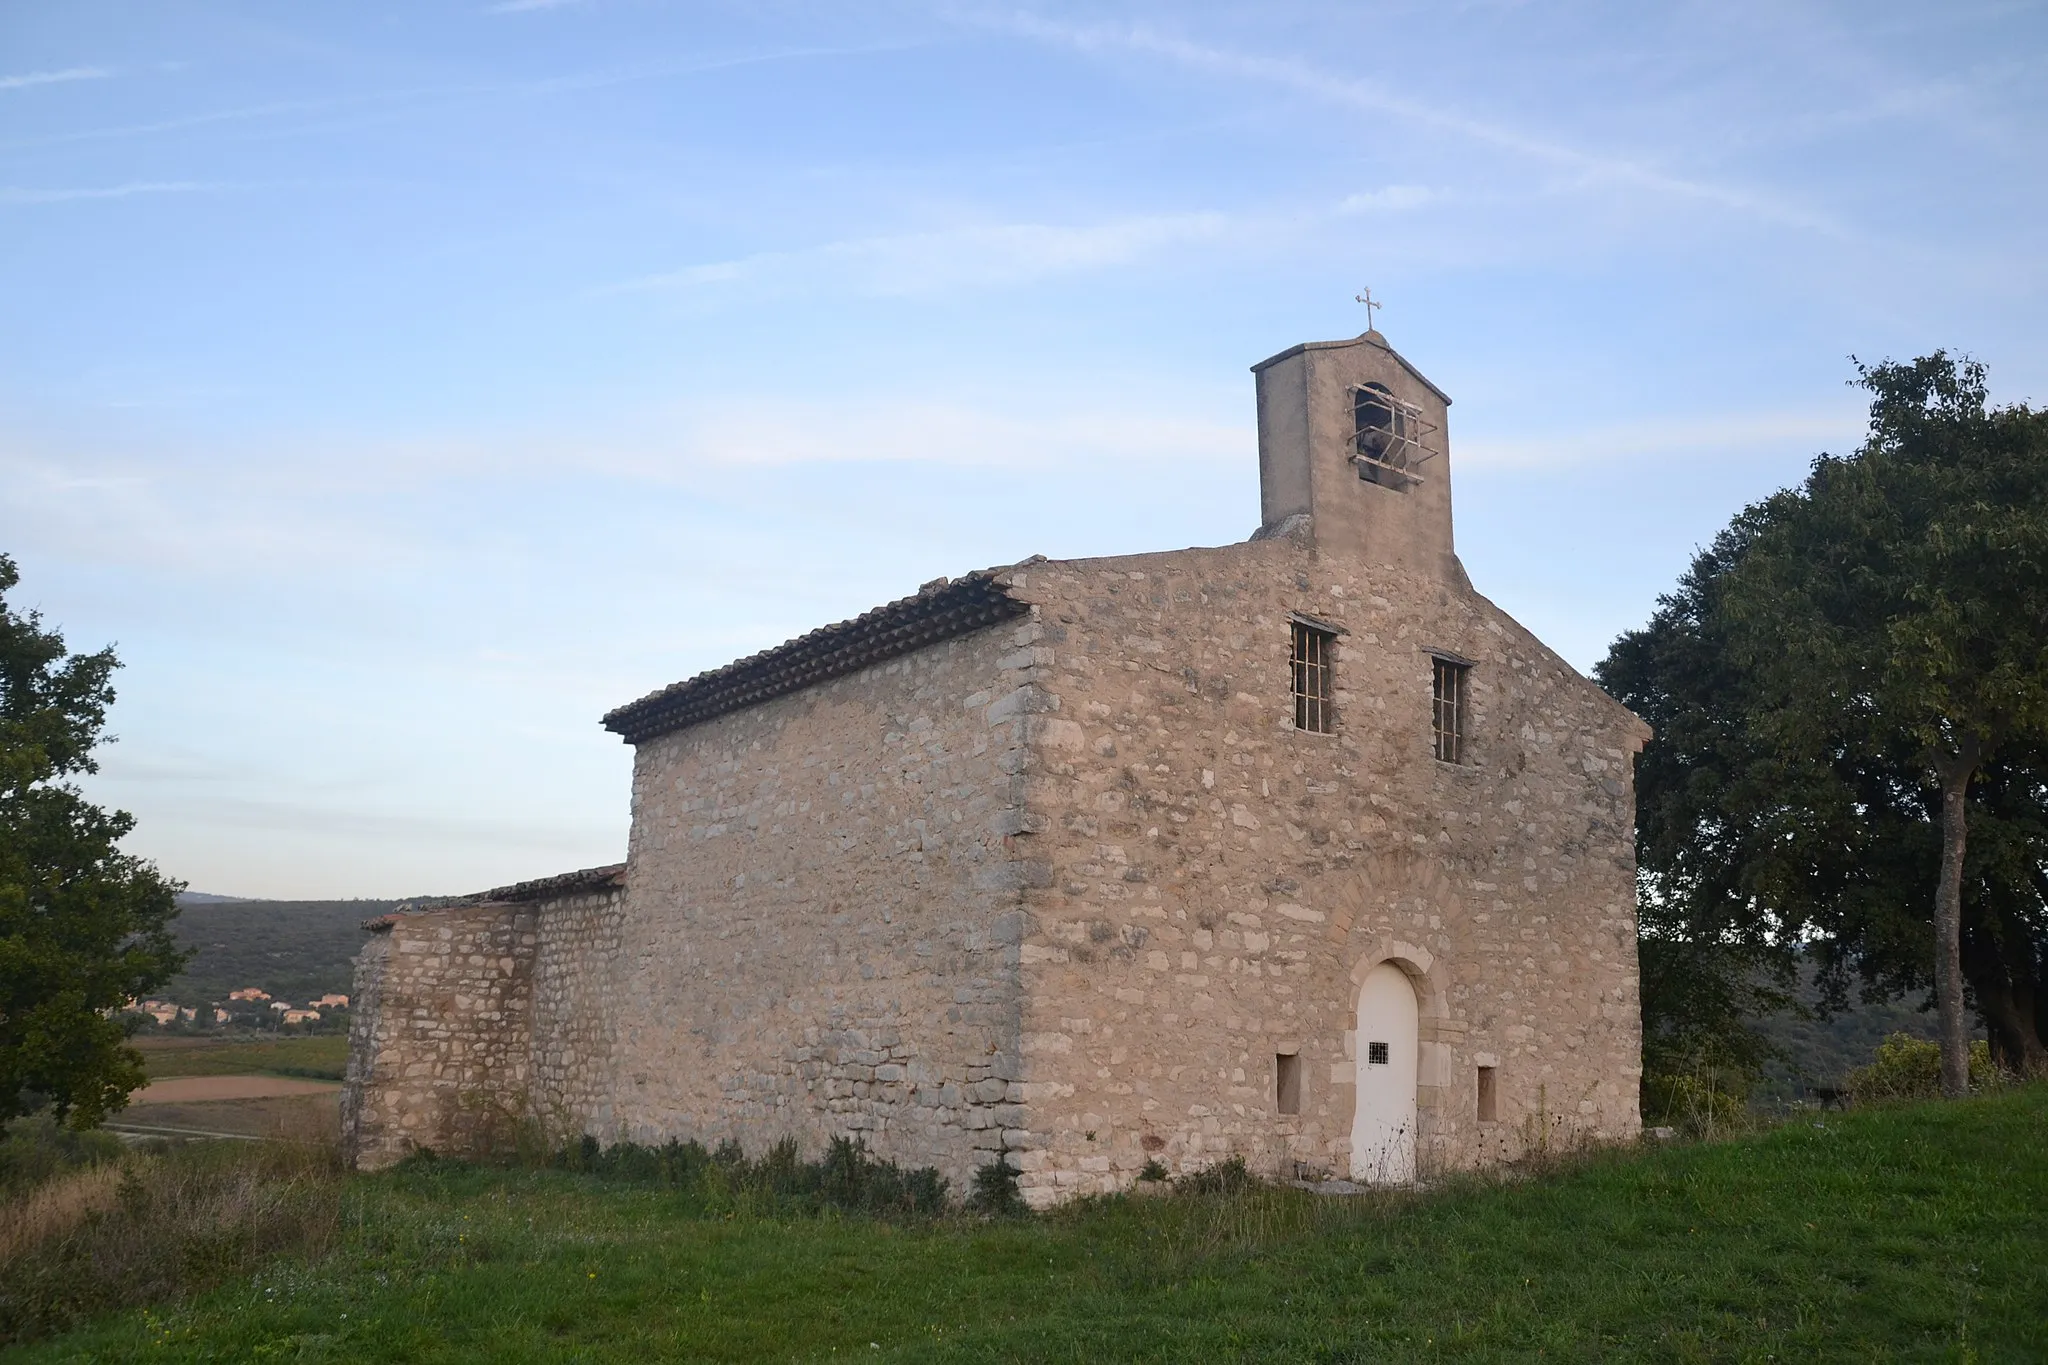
(173, 125)
(382, 104)
(193, 519)
(1587, 167)
(14, 195)
(658, 71)
(280, 812)
(974, 256)
(1669, 436)
(932, 433)
(688, 445)
(1389, 199)
(69, 73)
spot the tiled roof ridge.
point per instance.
(562, 883)
(540, 888)
(941, 610)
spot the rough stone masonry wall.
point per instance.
(482, 1024)
(575, 988)
(1064, 888)
(1220, 881)
(439, 1043)
(822, 916)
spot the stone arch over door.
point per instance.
(1397, 1004)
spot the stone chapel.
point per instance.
(1297, 849)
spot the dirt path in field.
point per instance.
(300, 1117)
(186, 1089)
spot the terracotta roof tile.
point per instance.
(940, 611)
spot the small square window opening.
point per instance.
(1287, 1079)
(1488, 1104)
(1312, 655)
(1449, 705)
(1375, 1054)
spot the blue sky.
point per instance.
(402, 386)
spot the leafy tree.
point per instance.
(1851, 694)
(1712, 955)
(83, 927)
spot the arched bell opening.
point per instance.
(1380, 435)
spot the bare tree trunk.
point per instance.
(1955, 772)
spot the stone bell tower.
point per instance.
(1354, 438)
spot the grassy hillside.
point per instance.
(1888, 1235)
(296, 950)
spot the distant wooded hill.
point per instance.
(296, 950)
(1824, 1051)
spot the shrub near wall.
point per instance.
(1910, 1068)
(847, 1178)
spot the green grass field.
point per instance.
(315, 1057)
(1915, 1233)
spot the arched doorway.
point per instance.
(1389, 1046)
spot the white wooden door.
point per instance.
(1389, 1047)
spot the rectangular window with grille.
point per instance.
(1313, 652)
(1448, 709)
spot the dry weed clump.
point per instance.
(38, 1148)
(158, 1226)
(55, 1207)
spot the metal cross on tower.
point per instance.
(1365, 297)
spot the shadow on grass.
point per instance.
(847, 1179)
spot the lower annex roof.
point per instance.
(940, 610)
(607, 878)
